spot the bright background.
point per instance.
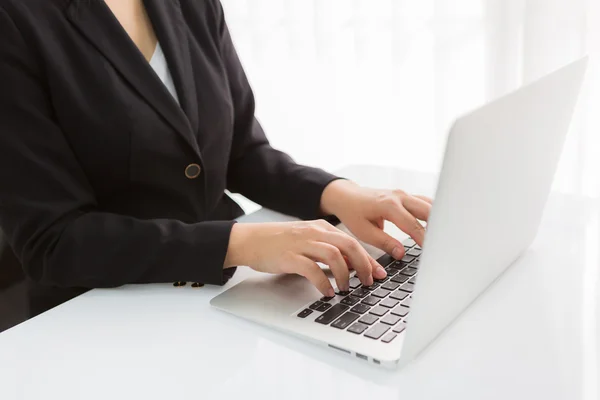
(343, 82)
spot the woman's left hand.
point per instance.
(364, 211)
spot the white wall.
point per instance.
(379, 81)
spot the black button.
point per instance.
(345, 320)
(331, 314)
(378, 330)
(361, 292)
(192, 171)
(390, 286)
(381, 293)
(371, 300)
(305, 313)
(360, 308)
(315, 305)
(389, 303)
(357, 328)
(379, 311)
(389, 337)
(400, 278)
(374, 286)
(400, 311)
(350, 300)
(324, 307)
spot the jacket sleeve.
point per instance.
(48, 209)
(257, 170)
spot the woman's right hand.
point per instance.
(295, 247)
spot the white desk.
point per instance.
(534, 335)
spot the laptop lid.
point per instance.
(497, 173)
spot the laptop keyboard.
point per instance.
(379, 311)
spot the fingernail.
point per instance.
(330, 293)
(381, 272)
(397, 253)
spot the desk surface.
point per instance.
(534, 335)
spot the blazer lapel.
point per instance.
(170, 28)
(97, 23)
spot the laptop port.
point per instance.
(362, 357)
(376, 361)
(337, 348)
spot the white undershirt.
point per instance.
(158, 62)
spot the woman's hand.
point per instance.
(295, 247)
(363, 211)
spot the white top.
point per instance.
(533, 335)
(158, 62)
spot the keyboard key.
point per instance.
(408, 271)
(391, 271)
(391, 319)
(399, 295)
(350, 300)
(412, 280)
(331, 314)
(407, 302)
(342, 292)
(374, 286)
(389, 337)
(385, 260)
(414, 252)
(377, 331)
(361, 292)
(399, 328)
(379, 311)
(371, 300)
(406, 318)
(345, 320)
(409, 242)
(407, 287)
(381, 293)
(354, 282)
(398, 265)
(382, 280)
(389, 303)
(360, 308)
(316, 305)
(407, 248)
(418, 247)
(324, 307)
(407, 258)
(400, 311)
(358, 328)
(305, 313)
(326, 298)
(391, 286)
(368, 319)
(400, 278)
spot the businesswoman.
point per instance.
(123, 122)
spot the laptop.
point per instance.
(497, 172)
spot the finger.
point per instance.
(378, 271)
(378, 238)
(424, 198)
(330, 255)
(357, 255)
(406, 222)
(417, 207)
(311, 271)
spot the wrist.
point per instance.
(238, 245)
(335, 196)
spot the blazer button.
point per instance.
(192, 171)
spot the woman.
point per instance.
(122, 123)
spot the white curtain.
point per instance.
(343, 82)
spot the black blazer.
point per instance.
(104, 179)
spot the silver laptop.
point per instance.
(497, 172)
